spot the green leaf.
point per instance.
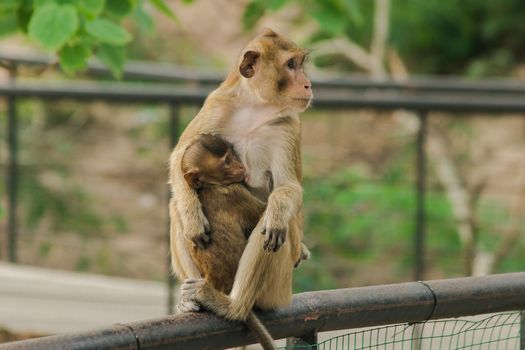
(107, 32)
(274, 4)
(120, 8)
(329, 17)
(354, 11)
(164, 8)
(73, 57)
(8, 24)
(113, 57)
(8, 5)
(254, 11)
(40, 3)
(52, 25)
(144, 19)
(92, 7)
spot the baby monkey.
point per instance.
(211, 167)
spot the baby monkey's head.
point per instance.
(211, 160)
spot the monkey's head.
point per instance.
(272, 66)
(210, 160)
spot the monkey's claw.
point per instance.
(202, 240)
(274, 240)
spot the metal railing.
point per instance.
(308, 314)
(419, 96)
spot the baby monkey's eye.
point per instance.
(291, 63)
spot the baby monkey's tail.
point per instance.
(260, 332)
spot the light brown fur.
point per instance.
(256, 108)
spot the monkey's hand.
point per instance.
(198, 230)
(275, 229)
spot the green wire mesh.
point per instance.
(499, 331)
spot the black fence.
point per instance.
(420, 96)
(310, 313)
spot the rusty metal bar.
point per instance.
(321, 311)
(155, 71)
(12, 173)
(420, 213)
(133, 92)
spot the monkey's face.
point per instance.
(223, 170)
(274, 69)
(212, 160)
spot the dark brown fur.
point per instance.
(233, 212)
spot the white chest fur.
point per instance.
(259, 143)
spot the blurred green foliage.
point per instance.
(474, 37)
(77, 29)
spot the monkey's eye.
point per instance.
(227, 160)
(291, 63)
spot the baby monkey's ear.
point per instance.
(192, 178)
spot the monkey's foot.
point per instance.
(305, 255)
(188, 306)
(192, 291)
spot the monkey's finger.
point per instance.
(277, 239)
(202, 241)
(271, 241)
(280, 241)
(268, 241)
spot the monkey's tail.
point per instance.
(260, 332)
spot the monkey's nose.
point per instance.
(308, 87)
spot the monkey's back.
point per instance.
(233, 212)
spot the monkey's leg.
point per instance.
(263, 278)
(181, 261)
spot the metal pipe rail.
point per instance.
(133, 92)
(166, 72)
(310, 312)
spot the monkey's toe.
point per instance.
(188, 306)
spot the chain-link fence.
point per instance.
(497, 331)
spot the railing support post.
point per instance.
(12, 173)
(420, 218)
(309, 339)
(174, 113)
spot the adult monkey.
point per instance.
(256, 109)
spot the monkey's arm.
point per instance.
(195, 226)
(285, 200)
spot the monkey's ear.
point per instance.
(248, 63)
(192, 178)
